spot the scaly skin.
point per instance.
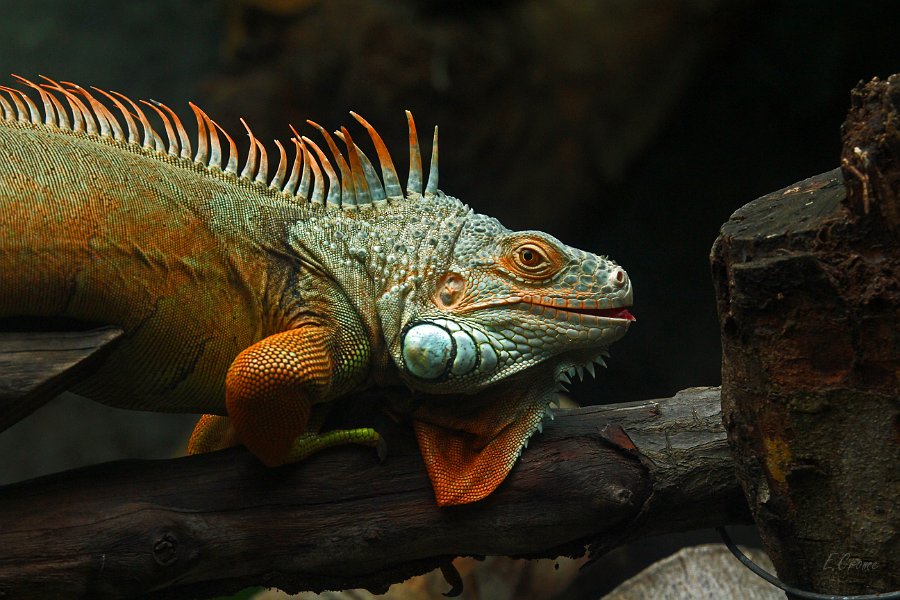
(260, 301)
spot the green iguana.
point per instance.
(262, 298)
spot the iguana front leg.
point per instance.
(274, 392)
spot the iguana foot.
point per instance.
(309, 443)
(214, 432)
(278, 391)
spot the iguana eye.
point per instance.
(529, 256)
(531, 260)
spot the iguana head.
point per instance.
(510, 301)
(485, 322)
(498, 322)
(513, 315)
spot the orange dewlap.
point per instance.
(462, 468)
(469, 450)
(271, 387)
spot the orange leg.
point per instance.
(270, 390)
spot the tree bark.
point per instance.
(209, 524)
(808, 288)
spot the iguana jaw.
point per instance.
(470, 442)
(619, 314)
(562, 307)
(587, 313)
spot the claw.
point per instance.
(452, 576)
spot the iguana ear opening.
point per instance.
(468, 456)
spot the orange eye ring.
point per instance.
(528, 257)
(531, 260)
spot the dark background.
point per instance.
(626, 128)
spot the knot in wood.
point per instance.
(165, 550)
(372, 535)
(617, 495)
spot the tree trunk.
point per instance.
(215, 523)
(808, 288)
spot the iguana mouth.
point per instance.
(549, 307)
(606, 313)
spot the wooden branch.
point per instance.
(215, 523)
(38, 365)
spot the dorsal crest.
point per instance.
(309, 177)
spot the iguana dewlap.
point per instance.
(261, 297)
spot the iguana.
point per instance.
(262, 298)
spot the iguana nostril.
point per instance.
(619, 278)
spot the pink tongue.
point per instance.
(619, 313)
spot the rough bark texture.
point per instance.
(215, 523)
(808, 288)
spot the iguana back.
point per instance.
(178, 257)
